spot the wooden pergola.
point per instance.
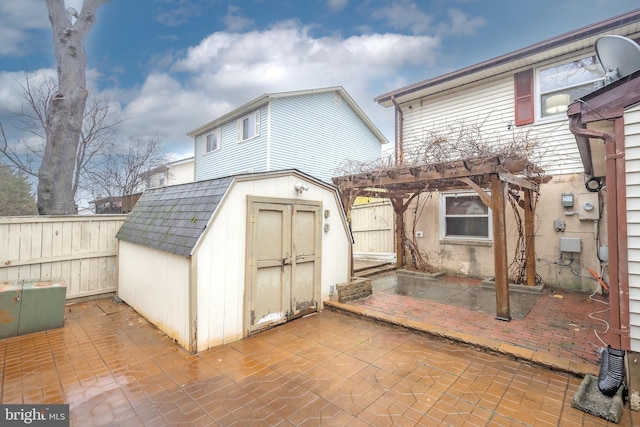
(497, 174)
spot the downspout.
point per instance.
(616, 227)
(399, 144)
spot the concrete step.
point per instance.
(374, 270)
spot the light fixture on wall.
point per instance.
(300, 187)
(557, 103)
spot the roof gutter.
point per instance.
(616, 225)
(584, 33)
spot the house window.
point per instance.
(561, 84)
(464, 216)
(249, 126)
(212, 141)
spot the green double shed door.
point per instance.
(284, 241)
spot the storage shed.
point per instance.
(214, 261)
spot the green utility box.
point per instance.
(42, 306)
(10, 296)
(27, 306)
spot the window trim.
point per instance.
(256, 126)
(204, 141)
(443, 217)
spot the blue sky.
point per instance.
(170, 66)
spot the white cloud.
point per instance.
(462, 24)
(405, 15)
(235, 20)
(229, 69)
(176, 12)
(337, 5)
(16, 19)
(164, 108)
(281, 55)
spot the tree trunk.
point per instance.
(66, 107)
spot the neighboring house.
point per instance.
(523, 94)
(108, 205)
(172, 173)
(313, 131)
(214, 261)
(114, 204)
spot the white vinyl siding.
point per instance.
(232, 158)
(632, 164)
(489, 107)
(313, 134)
(308, 131)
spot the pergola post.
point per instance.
(399, 209)
(529, 239)
(498, 188)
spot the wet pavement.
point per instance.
(471, 293)
(114, 368)
(559, 329)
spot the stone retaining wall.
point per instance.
(353, 290)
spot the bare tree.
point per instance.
(66, 108)
(99, 124)
(122, 171)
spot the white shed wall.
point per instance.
(156, 285)
(632, 164)
(220, 257)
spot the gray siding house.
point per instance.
(313, 131)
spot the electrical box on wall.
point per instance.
(570, 244)
(567, 200)
(588, 206)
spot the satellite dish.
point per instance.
(619, 56)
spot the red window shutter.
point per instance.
(523, 87)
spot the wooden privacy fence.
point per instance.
(373, 228)
(81, 250)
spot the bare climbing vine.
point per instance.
(443, 144)
(450, 142)
(517, 268)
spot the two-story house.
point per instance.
(313, 131)
(522, 95)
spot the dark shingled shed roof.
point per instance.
(173, 218)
